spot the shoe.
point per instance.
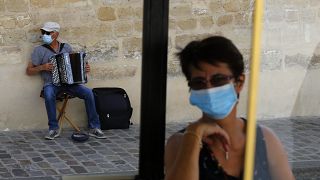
(97, 133)
(52, 134)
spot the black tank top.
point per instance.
(210, 169)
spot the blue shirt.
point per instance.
(41, 55)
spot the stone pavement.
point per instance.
(26, 155)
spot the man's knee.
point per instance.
(49, 95)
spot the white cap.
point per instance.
(51, 26)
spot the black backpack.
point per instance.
(113, 107)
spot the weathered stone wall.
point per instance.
(110, 31)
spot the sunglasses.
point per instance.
(43, 32)
(216, 80)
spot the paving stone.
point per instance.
(48, 155)
(5, 175)
(19, 173)
(37, 159)
(89, 163)
(36, 173)
(49, 171)
(2, 170)
(79, 169)
(66, 171)
(94, 169)
(44, 164)
(5, 156)
(59, 165)
(71, 162)
(8, 161)
(53, 160)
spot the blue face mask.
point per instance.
(47, 39)
(217, 102)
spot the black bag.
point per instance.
(113, 107)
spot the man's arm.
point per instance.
(32, 69)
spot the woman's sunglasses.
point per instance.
(216, 80)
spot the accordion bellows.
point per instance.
(68, 68)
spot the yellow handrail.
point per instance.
(253, 90)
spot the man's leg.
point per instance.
(49, 93)
(93, 118)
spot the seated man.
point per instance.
(40, 64)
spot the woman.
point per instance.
(213, 147)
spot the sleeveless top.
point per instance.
(210, 169)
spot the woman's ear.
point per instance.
(239, 83)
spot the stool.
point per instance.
(64, 97)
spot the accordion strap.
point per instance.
(50, 48)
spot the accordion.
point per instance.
(68, 68)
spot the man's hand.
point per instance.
(87, 68)
(47, 67)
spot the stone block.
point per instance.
(271, 60)
(224, 20)
(180, 11)
(123, 28)
(104, 51)
(172, 24)
(182, 40)
(17, 5)
(275, 16)
(23, 21)
(68, 17)
(309, 16)
(1, 40)
(246, 5)
(206, 22)
(125, 12)
(2, 6)
(296, 3)
(138, 26)
(87, 16)
(241, 18)
(15, 36)
(106, 14)
(291, 15)
(38, 18)
(132, 44)
(188, 24)
(112, 71)
(216, 7)
(302, 61)
(231, 6)
(41, 3)
(71, 3)
(314, 3)
(174, 68)
(200, 11)
(7, 22)
(138, 12)
(10, 55)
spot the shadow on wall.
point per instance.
(308, 98)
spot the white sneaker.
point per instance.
(97, 133)
(52, 134)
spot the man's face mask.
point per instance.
(47, 39)
(216, 102)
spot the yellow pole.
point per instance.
(253, 89)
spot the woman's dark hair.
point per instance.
(212, 50)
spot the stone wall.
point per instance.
(110, 31)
